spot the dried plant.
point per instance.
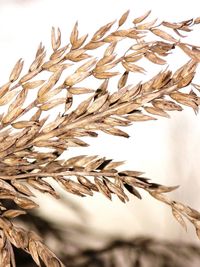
(139, 252)
(31, 142)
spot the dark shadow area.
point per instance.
(137, 252)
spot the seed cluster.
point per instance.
(24, 161)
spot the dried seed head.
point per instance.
(23, 161)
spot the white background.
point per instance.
(151, 147)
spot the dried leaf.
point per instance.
(162, 34)
(76, 78)
(166, 105)
(113, 38)
(140, 46)
(126, 108)
(137, 116)
(86, 182)
(105, 75)
(74, 35)
(115, 189)
(123, 80)
(133, 57)
(104, 68)
(115, 131)
(87, 66)
(197, 20)
(32, 131)
(22, 188)
(22, 124)
(53, 103)
(123, 18)
(141, 18)
(12, 115)
(110, 49)
(83, 106)
(188, 51)
(34, 252)
(112, 165)
(10, 214)
(28, 76)
(79, 42)
(4, 89)
(179, 218)
(146, 26)
(32, 85)
(72, 161)
(132, 190)
(93, 165)
(77, 188)
(55, 41)
(102, 188)
(157, 111)
(73, 54)
(102, 31)
(42, 186)
(16, 70)
(155, 59)
(161, 188)
(59, 53)
(132, 67)
(8, 97)
(19, 100)
(37, 62)
(25, 203)
(93, 45)
(80, 90)
(52, 125)
(97, 104)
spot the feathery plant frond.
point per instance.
(25, 162)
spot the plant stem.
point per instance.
(66, 173)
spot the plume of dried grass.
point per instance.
(25, 162)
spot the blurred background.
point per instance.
(166, 150)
